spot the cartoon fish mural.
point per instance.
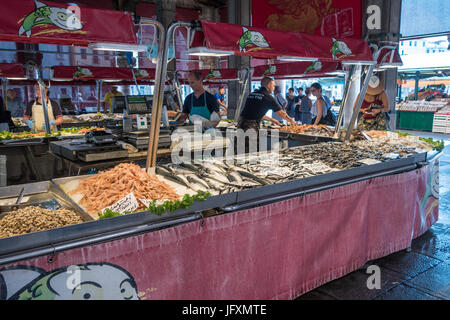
(44, 14)
(314, 67)
(82, 73)
(91, 281)
(340, 49)
(213, 74)
(252, 40)
(270, 71)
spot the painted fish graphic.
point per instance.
(253, 39)
(82, 73)
(213, 74)
(91, 281)
(44, 14)
(141, 74)
(340, 48)
(314, 67)
(270, 70)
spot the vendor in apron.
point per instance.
(34, 114)
(200, 106)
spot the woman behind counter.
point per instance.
(374, 106)
(320, 108)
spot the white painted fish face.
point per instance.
(317, 65)
(143, 73)
(86, 71)
(94, 282)
(258, 39)
(344, 48)
(65, 19)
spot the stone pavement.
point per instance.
(420, 274)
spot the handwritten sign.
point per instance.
(126, 204)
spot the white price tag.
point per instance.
(369, 161)
(128, 203)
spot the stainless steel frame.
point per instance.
(161, 71)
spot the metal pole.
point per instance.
(359, 102)
(44, 101)
(178, 89)
(99, 94)
(237, 112)
(4, 89)
(348, 84)
(160, 79)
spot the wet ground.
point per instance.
(420, 274)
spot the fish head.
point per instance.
(86, 72)
(343, 47)
(317, 65)
(258, 39)
(96, 281)
(143, 73)
(65, 19)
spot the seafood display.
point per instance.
(405, 139)
(107, 187)
(7, 135)
(89, 117)
(34, 218)
(256, 170)
(320, 130)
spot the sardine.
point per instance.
(193, 179)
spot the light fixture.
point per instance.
(16, 78)
(336, 73)
(206, 52)
(359, 63)
(390, 65)
(117, 47)
(297, 59)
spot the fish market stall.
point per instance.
(260, 226)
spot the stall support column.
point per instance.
(4, 89)
(99, 94)
(359, 102)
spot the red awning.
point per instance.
(63, 24)
(213, 75)
(11, 70)
(272, 44)
(314, 69)
(90, 73)
(389, 57)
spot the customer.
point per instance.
(108, 100)
(15, 104)
(374, 106)
(320, 108)
(305, 108)
(290, 108)
(298, 103)
(281, 102)
(5, 118)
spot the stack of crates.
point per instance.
(441, 122)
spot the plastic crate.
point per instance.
(441, 123)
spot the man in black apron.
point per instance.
(34, 114)
(257, 105)
(200, 105)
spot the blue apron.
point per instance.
(202, 111)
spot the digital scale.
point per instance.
(135, 112)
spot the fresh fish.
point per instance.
(180, 179)
(43, 14)
(195, 180)
(189, 167)
(234, 177)
(252, 176)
